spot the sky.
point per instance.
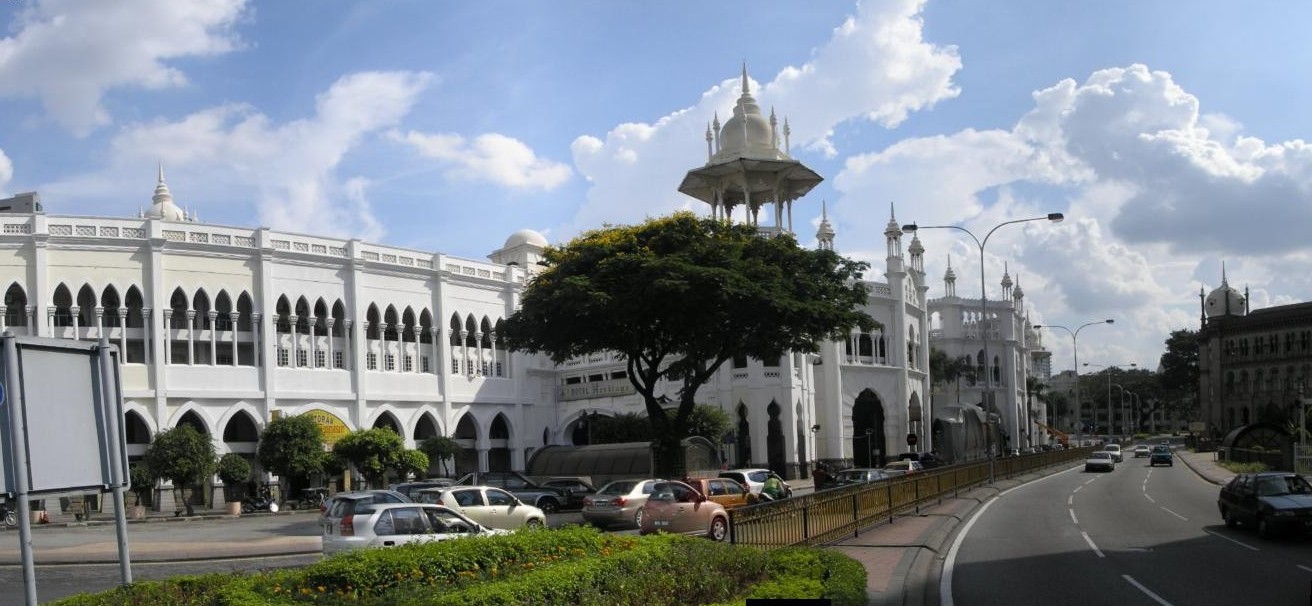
(1170, 133)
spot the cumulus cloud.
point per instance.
(6, 170)
(489, 157)
(69, 53)
(875, 67)
(291, 166)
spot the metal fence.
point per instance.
(830, 515)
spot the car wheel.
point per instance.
(1264, 529)
(719, 529)
(637, 518)
(534, 524)
(1229, 517)
(548, 505)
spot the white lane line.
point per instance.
(1073, 520)
(1175, 514)
(1077, 489)
(1150, 594)
(1091, 544)
(949, 564)
(1239, 543)
(1071, 499)
(1305, 568)
(1150, 499)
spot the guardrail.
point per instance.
(830, 515)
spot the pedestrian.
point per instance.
(821, 476)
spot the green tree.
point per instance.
(233, 470)
(371, 451)
(709, 422)
(183, 456)
(411, 461)
(291, 447)
(1179, 376)
(946, 370)
(440, 449)
(678, 297)
(620, 429)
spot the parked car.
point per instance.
(928, 460)
(545, 498)
(576, 490)
(387, 524)
(344, 504)
(1161, 455)
(488, 505)
(1100, 460)
(724, 491)
(901, 468)
(1142, 450)
(754, 480)
(1115, 449)
(859, 475)
(1272, 502)
(678, 508)
(618, 503)
(410, 489)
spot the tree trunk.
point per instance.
(669, 461)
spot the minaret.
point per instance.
(950, 280)
(893, 235)
(825, 235)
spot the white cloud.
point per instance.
(69, 53)
(875, 67)
(6, 170)
(291, 167)
(489, 157)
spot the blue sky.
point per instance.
(1171, 133)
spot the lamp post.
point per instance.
(1108, 370)
(869, 448)
(983, 298)
(1075, 349)
(1122, 388)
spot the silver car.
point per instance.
(618, 503)
(487, 505)
(387, 524)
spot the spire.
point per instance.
(1223, 280)
(825, 235)
(746, 92)
(788, 147)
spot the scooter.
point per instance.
(11, 517)
(261, 502)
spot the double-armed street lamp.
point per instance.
(983, 298)
(1125, 419)
(1075, 348)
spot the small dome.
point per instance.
(916, 247)
(525, 236)
(748, 133)
(1224, 301)
(162, 206)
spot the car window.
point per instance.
(384, 526)
(467, 498)
(497, 497)
(684, 494)
(759, 476)
(617, 488)
(733, 488)
(648, 487)
(446, 521)
(408, 520)
(716, 487)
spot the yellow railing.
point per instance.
(830, 515)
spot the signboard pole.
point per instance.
(109, 395)
(18, 450)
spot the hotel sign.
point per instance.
(333, 428)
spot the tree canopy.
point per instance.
(371, 451)
(181, 455)
(677, 297)
(440, 449)
(291, 447)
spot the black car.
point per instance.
(577, 490)
(1161, 455)
(1271, 501)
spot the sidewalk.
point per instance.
(903, 559)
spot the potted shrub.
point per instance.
(185, 457)
(139, 491)
(233, 471)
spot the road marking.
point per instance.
(949, 564)
(1239, 543)
(1150, 499)
(1071, 499)
(1145, 590)
(1175, 514)
(1091, 544)
(1077, 489)
(1305, 568)
(1073, 520)
(1091, 480)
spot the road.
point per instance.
(1137, 535)
(192, 539)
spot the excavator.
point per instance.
(1061, 436)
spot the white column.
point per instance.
(400, 347)
(478, 339)
(123, 334)
(148, 340)
(437, 360)
(330, 359)
(350, 344)
(233, 316)
(309, 355)
(3, 319)
(364, 330)
(418, 348)
(291, 361)
(464, 354)
(257, 329)
(100, 321)
(191, 337)
(77, 317)
(168, 336)
(492, 367)
(214, 336)
(30, 314)
(50, 318)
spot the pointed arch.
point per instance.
(776, 453)
(743, 438)
(283, 310)
(320, 328)
(110, 302)
(239, 425)
(86, 306)
(302, 312)
(868, 442)
(192, 415)
(339, 319)
(201, 303)
(63, 302)
(16, 306)
(374, 318)
(408, 318)
(466, 435)
(223, 306)
(499, 438)
(425, 327)
(245, 309)
(135, 304)
(386, 419)
(179, 306)
(426, 426)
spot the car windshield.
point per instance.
(1101, 455)
(1283, 485)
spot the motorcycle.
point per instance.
(260, 502)
(11, 517)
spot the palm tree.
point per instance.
(944, 369)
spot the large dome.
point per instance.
(748, 134)
(525, 236)
(1224, 301)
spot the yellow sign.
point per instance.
(333, 428)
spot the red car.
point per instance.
(677, 507)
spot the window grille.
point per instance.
(371, 361)
(282, 356)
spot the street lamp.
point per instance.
(1075, 348)
(1124, 417)
(869, 447)
(1108, 371)
(983, 296)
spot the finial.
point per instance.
(1223, 280)
(892, 216)
(824, 208)
(745, 90)
(161, 171)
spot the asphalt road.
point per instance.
(1138, 535)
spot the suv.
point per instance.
(1161, 455)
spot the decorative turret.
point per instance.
(893, 234)
(917, 251)
(950, 280)
(825, 235)
(162, 206)
(1225, 300)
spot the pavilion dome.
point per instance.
(525, 236)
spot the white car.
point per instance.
(1100, 460)
(754, 480)
(487, 505)
(387, 524)
(1115, 449)
(1142, 450)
